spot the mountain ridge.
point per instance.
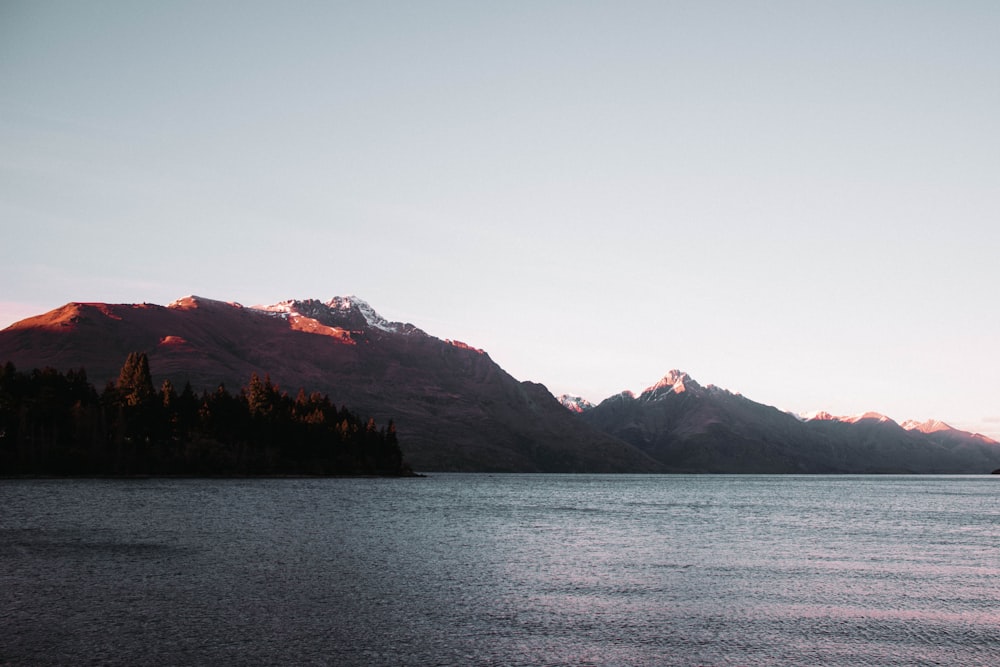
(693, 428)
(456, 409)
(678, 381)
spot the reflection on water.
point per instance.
(502, 570)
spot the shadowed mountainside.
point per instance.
(690, 428)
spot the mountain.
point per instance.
(929, 426)
(574, 403)
(454, 408)
(691, 428)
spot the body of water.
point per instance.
(502, 570)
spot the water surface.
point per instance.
(502, 570)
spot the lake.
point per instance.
(458, 569)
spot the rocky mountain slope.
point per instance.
(691, 428)
(455, 409)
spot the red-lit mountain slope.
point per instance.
(454, 407)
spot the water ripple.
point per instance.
(502, 570)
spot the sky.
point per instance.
(798, 201)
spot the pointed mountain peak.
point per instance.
(674, 382)
(373, 319)
(575, 403)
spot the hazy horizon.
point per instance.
(793, 201)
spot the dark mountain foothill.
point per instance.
(455, 409)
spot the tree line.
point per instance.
(54, 423)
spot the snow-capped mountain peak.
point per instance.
(344, 312)
(929, 426)
(575, 403)
(674, 382)
(348, 303)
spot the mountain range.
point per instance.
(691, 428)
(456, 409)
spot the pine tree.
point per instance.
(135, 383)
(168, 394)
(260, 395)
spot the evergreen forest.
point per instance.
(54, 423)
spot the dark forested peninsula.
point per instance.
(53, 423)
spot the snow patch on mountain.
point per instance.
(293, 310)
(929, 426)
(348, 303)
(819, 416)
(576, 404)
(674, 382)
(346, 312)
(195, 301)
(823, 415)
(869, 416)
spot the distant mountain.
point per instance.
(575, 403)
(455, 409)
(691, 428)
(929, 426)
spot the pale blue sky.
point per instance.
(798, 201)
